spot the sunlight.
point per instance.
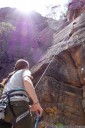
(25, 6)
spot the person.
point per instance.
(19, 89)
(74, 8)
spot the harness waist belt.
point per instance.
(15, 93)
(12, 95)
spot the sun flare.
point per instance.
(25, 6)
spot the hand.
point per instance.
(37, 108)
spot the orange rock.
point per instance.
(52, 110)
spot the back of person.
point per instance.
(18, 88)
(16, 80)
(18, 101)
(75, 4)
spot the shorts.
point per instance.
(19, 107)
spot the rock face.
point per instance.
(62, 71)
(61, 102)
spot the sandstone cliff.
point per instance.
(60, 76)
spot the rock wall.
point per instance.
(62, 102)
(60, 76)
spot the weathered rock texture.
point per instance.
(63, 68)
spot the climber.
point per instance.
(17, 92)
(83, 7)
(74, 9)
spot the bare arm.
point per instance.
(31, 91)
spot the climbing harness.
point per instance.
(2, 108)
(6, 100)
(17, 92)
(37, 120)
(2, 105)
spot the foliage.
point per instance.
(59, 125)
(6, 28)
(56, 12)
(5, 32)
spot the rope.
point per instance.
(46, 69)
(37, 120)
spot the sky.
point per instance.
(37, 5)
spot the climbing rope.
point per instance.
(46, 69)
(37, 120)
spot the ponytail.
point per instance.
(20, 64)
(5, 80)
